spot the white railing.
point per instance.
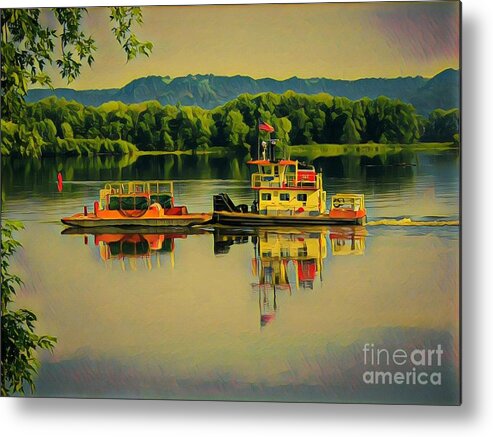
(269, 181)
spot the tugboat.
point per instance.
(137, 203)
(288, 192)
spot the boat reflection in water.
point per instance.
(131, 249)
(288, 260)
(283, 260)
(344, 242)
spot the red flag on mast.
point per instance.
(262, 125)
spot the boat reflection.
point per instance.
(283, 261)
(131, 249)
(287, 260)
(279, 256)
(127, 249)
(347, 242)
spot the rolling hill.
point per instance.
(209, 91)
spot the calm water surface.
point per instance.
(272, 314)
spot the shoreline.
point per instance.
(211, 151)
(309, 150)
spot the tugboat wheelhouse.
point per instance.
(288, 187)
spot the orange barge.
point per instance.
(137, 203)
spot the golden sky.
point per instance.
(341, 41)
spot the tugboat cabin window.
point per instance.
(291, 169)
(284, 196)
(302, 197)
(266, 196)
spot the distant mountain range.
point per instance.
(209, 91)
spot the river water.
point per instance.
(245, 314)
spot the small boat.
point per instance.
(289, 192)
(137, 203)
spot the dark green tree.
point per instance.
(442, 126)
(350, 134)
(19, 340)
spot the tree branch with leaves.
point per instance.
(28, 47)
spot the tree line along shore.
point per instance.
(59, 127)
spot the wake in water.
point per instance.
(409, 222)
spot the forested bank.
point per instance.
(56, 126)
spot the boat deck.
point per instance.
(92, 221)
(252, 219)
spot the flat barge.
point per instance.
(137, 204)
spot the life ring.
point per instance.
(135, 215)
